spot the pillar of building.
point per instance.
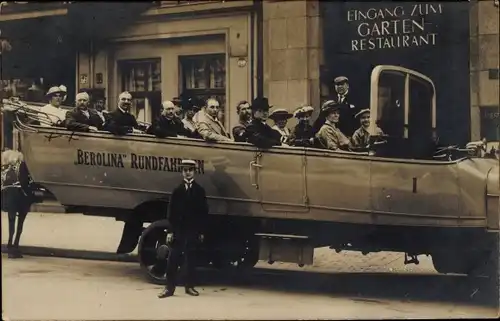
(292, 53)
(484, 62)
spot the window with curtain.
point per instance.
(204, 76)
(142, 78)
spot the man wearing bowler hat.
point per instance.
(347, 109)
(330, 136)
(259, 132)
(187, 214)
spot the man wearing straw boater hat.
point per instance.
(329, 135)
(258, 132)
(302, 134)
(187, 214)
(280, 117)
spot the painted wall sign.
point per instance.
(430, 37)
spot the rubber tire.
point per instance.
(156, 225)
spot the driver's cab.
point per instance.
(403, 105)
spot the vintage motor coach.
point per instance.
(279, 204)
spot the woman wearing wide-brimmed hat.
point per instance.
(280, 117)
(54, 114)
(302, 134)
(329, 135)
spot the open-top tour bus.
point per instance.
(279, 204)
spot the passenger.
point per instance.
(348, 123)
(121, 121)
(190, 108)
(167, 124)
(361, 137)
(329, 135)
(178, 111)
(280, 117)
(100, 108)
(320, 120)
(56, 115)
(245, 114)
(209, 126)
(64, 92)
(82, 118)
(302, 134)
(259, 133)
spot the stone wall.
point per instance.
(484, 60)
(292, 45)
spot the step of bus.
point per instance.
(48, 206)
(286, 248)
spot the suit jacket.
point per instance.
(331, 137)
(120, 123)
(211, 129)
(164, 127)
(188, 210)
(347, 123)
(240, 132)
(77, 121)
(190, 127)
(262, 135)
(301, 135)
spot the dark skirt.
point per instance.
(15, 200)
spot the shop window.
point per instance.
(142, 78)
(204, 76)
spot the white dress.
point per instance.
(55, 115)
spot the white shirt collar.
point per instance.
(122, 110)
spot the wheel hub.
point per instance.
(162, 252)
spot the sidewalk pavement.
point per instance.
(69, 235)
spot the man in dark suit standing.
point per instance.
(348, 123)
(81, 118)
(259, 132)
(121, 121)
(187, 214)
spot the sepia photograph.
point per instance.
(250, 160)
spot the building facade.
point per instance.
(289, 51)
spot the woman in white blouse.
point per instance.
(56, 115)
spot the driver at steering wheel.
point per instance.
(329, 135)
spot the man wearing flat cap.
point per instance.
(167, 124)
(361, 137)
(302, 134)
(187, 214)
(330, 136)
(245, 114)
(347, 109)
(121, 121)
(82, 118)
(280, 117)
(259, 133)
(54, 114)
